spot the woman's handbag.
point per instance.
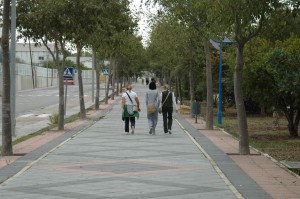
(151, 108)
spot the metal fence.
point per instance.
(44, 77)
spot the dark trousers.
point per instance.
(132, 122)
(167, 118)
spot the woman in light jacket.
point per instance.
(129, 98)
(152, 98)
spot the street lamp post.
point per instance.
(220, 86)
(13, 78)
(219, 46)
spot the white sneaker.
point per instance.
(126, 133)
(132, 130)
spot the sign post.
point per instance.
(68, 75)
(105, 72)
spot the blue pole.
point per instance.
(220, 87)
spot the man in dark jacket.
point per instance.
(168, 105)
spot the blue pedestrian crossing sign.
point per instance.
(105, 72)
(68, 72)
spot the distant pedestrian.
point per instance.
(152, 103)
(168, 103)
(130, 109)
(153, 80)
(147, 80)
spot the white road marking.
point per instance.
(27, 115)
(44, 115)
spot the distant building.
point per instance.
(39, 54)
(87, 61)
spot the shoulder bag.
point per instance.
(131, 108)
(151, 108)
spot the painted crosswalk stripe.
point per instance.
(27, 115)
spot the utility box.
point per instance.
(196, 108)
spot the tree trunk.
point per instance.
(32, 67)
(293, 122)
(52, 76)
(209, 88)
(97, 98)
(121, 83)
(192, 90)
(118, 81)
(80, 84)
(61, 106)
(177, 90)
(108, 82)
(262, 106)
(297, 120)
(113, 80)
(241, 112)
(180, 92)
(6, 112)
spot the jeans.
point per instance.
(132, 122)
(167, 118)
(152, 120)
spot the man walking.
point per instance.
(168, 104)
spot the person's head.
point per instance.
(129, 87)
(153, 80)
(152, 86)
(166, 86)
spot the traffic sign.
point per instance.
(105, 72)
(68, 72)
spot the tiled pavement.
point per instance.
(98, 161)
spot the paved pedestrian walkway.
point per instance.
(97, 160)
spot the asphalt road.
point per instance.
(29, 101)
(33, 107)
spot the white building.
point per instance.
(87, 61)
(39, 54)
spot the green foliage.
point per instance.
(174, 50)
(284, 66)
(284, 23)
(54, 118)
(131, 57)
(257, 83)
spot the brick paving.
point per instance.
(94, 159)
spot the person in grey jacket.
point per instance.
(152, 98)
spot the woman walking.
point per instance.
(152, 103)
(130, 109)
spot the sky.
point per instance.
(137, 6)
